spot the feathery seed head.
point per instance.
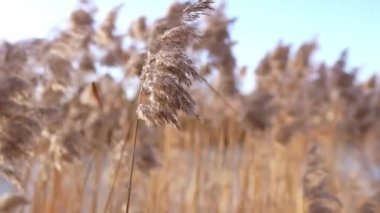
(168, 70)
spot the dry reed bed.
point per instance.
(305, 140)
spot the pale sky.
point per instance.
(339, 24)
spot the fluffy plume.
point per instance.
(168, 70)
(316, 187)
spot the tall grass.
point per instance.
(305, 140)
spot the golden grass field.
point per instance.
(306, 139)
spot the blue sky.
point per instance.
(261, 24)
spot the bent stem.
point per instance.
(220, 96)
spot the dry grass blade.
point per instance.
(118, 167)
(95, 91)
(221, 97)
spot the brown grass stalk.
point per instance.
(131, 167)
(118, 168)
